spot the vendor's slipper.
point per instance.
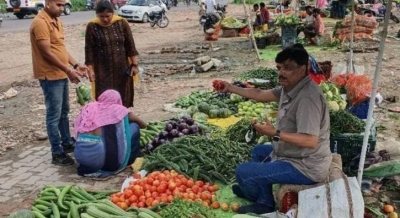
(395, 109)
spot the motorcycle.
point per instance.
(378, 10)
(175, 3)
(159, 17)
(208, 20)
(89, 5)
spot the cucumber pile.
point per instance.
(74, 202)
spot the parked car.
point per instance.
(138, 10)
(27, 7)
(119, 3)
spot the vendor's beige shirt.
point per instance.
(304, 110)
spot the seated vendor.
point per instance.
(309, 22)
(319, 27)
(300, 152)
(258, 22)
(107, 136)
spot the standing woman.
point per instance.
(109, 51)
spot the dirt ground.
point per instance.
(22, 117)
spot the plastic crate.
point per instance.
(360, 110)
(289, 32)
(287, 42)
(261, 43)
(349, 146)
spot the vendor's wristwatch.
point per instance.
(277, 136)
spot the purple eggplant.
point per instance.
(185, 118)
(149, 147)
(163, 141)
(163, 135)
(185, 131)
(174, 133)
(168, 127)
(180, 134)
(183, 126)
(173, 123)
(190, 121)
(194, 129)
(156, 141)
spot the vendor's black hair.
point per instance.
(296, 53)
(317, 10)
(262, 4)
(256, 5)
(104, 6)
(308, 7)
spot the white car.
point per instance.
(139, 10)
(21, 8)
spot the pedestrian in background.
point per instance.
(51, 60)
(111, 54)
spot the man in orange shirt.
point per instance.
(51, 62)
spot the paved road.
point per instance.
(12, 23)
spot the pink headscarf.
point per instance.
(108, 109)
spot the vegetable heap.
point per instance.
(287, 20)
(251, 109)
(343, 121)
(183, 209)
(193, 99)
(74, 201)
(232, 23)
(333, 97)
(237, 132)
(261, 73)
(259, 34)
(200, 158)
(162, 187)
(83, 94)
(152, 130)
(173, 129)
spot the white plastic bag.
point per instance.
(314, 202)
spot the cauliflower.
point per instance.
(333, 105)
(342, 105)
(324, 87)
(328, 95)
(335, 90)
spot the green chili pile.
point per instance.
(343, 121)
(199, 157)
(180, 208)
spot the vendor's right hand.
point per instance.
(221, 86)
(73, 76)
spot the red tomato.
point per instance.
(185, 196)
(133, 199)
(164, 199)
(147, 194)
(192, 196)
(168, 192)
(149, 201)
(153, 188)
(199, 183)
(134, 205)
(138, 192)
(171, 186)
(195, 189)
(141, 204)
(155, 203)
(142, 199)
(137, 176)
(161, 189)
(156, 182)
(146, 187)
(190, 183)
(154, 194)
(170, 198)
(150, 181)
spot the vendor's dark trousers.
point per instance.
(256, 178)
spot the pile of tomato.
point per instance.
(162, 187)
